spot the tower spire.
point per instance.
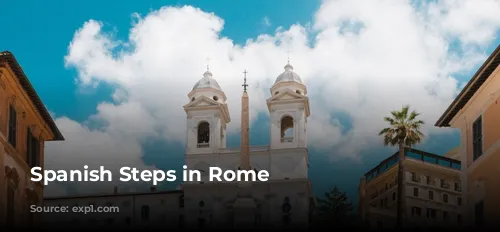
(245, 85)
(208, 63)
(245, 128)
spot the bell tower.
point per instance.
(207, 116)
(289, 108)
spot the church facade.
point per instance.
(286, 198)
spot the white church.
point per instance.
(285, 200)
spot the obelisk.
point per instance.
(244, 206)
(245, 128)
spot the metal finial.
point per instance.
(208, 63)
(245, 85)
(288, 55)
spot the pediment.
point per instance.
(202, 101)
(286, 95)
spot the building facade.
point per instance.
(286, 200)
(476, 113)
(433, 192)
(25, 126)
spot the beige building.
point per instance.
(476, 113)
(25, 126)
(433, 192)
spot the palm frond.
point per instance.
(403, 128)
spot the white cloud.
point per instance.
(367, 58)
(112, 148)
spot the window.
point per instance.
(445, 198)
(203, 135)
(443, 183)
(394, 196)
(431, 195)
(431, 213)
(12, 126)
(145, 213)
(445, 216)
(429, 180)
(415, 192)
(32, 150)
(459, 218)
(287, 129)
(459, 201)
(477, 138)
(479, 213)
(10, 203)
(416, 211)
(457, 187)
(414, 177)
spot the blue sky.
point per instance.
(39, 34)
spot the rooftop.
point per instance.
(8, 57)
(482, 74)
(288, 75)
(413, 154)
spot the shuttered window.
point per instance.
(12, 126)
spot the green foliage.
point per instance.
(404, 128)
(334, 209)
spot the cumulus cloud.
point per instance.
(110, 148)
(362, 59)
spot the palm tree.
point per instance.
(403, 131)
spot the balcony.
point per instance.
(287, 140)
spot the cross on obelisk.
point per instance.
(245, 85)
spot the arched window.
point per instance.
(287, 129)
(203, 134)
